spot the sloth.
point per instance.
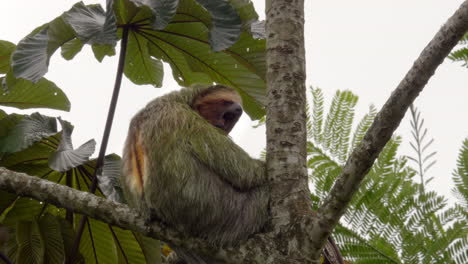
(180, 167)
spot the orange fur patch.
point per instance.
(138, 164)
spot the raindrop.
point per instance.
(55, 94)
(248, 49)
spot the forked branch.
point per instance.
(386, 122)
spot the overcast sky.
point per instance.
(365, 46)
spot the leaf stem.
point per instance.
(105, 137)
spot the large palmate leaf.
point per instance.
(140, 67)
(185, 45)
(22, 132)
(109, 181)
(71, 48)
(30, 243)
(92, 24)
(163, 11)
(6, 48)
(66, 157)
(185, 36)
(24, 94)
(41, 240)
(226, 24)
(106, 243)
(31, 58)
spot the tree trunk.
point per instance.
(286, 127)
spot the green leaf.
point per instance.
(317, 115)
(163, 11)
(96, 243)
(6, 201)
(246, 11)
(100, 51)
(186, 49)
(131, 247)
(461, 51)
(68, 238)
(148, 246)
(29, 130)
(66, 157)
(8, 122)
(2, 114)
(125, 11)
(250, 52)
(226, 23)
(363, 126)
(52, 237)
(140, 67)
(6, 48)
(30, 244)
(109, 180)
(71, 48)
(337, 126)
(460, 176)
(185, 45)
(24, 94)
(92, 24)
(30, 60)
(24, 209)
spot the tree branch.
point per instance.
(93, 206)
(79, 202)
(115, 214)
(385, 123)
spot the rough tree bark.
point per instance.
(286, 129)
(295, 235)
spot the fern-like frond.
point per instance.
(362, 127)
(461, 54)
(358, 249)
(460, 176)
(317, 115)
(337, 126)
(424, 158)
(391, 219)
(324, 170)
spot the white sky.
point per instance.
(362, 45)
